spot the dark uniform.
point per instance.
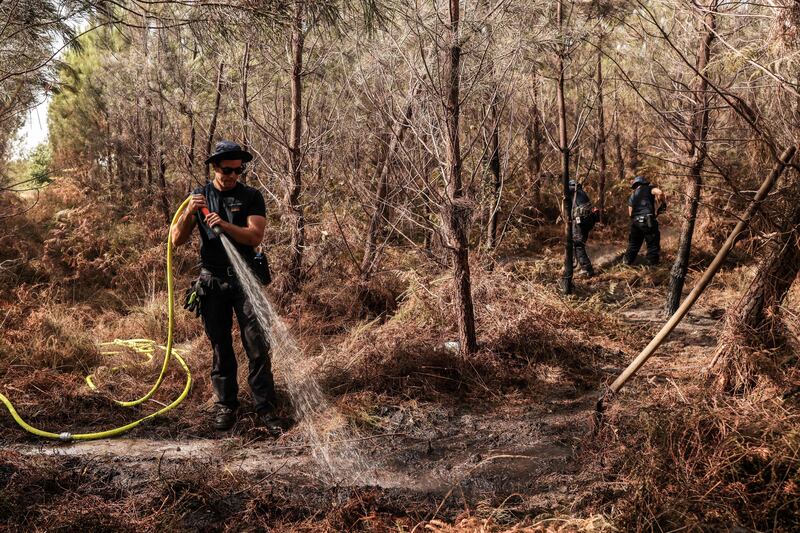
(583, 220)
(644, 225)
(222, 296)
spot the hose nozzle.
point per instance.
(216, 229)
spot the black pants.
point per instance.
(222, 299)
(580, 234)
(640, 231)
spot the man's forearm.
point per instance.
(183, 228)
(243, 235)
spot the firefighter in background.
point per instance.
(584, 217)
(644, 205)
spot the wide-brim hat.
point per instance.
(229, 150)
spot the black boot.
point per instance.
(225, 418)
(270, 422)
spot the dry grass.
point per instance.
(698, 462)
(686, 459)
(522, 329)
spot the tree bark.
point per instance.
(381, 176)
(697, 155)
(566, 278)
(294, 185)
(456, 211)
(212, 127)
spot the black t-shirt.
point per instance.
(581, 198)
(233, 206)
(642, 201)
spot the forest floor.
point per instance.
(515, 456)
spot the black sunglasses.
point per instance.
(229, 170)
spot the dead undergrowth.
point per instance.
(698, 461)
(673, 455)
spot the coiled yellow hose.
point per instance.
(145, 347)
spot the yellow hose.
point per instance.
(143, 346)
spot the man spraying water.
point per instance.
(239, 212)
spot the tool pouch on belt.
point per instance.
(646, 220)
(261, 268)
(191, 300)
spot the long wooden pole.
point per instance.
(712, 269)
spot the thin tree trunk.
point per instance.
(192, 125)
(161, 157)
(495, 172)
(294, 186)
(533, 143)
(245, 104)
(456, 212)
(212, 127)
(601, 139)
(619, 161)
(697, 156)
(381, 176)
(633, 151)
(566, 278)
(162, 170)
(192, 144)
(148, 106)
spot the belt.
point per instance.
(218, 271)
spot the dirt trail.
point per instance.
(518, 448)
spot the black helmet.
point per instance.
(572, 184)
(639, 180)
(228, 150)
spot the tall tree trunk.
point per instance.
(245, 104)
(148, 106)
(495, 174)
(456, 212)
(619, 161)
(754, 322)
(601, 138)
(697, 155)
(381, 176)
(212, 127)
(162, 171)
(533, 143)
(633, 151)
(566, 278)
(192, 124)
(192, 144)
(294, 186)
(161, 157)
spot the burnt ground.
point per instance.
(523, 456)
